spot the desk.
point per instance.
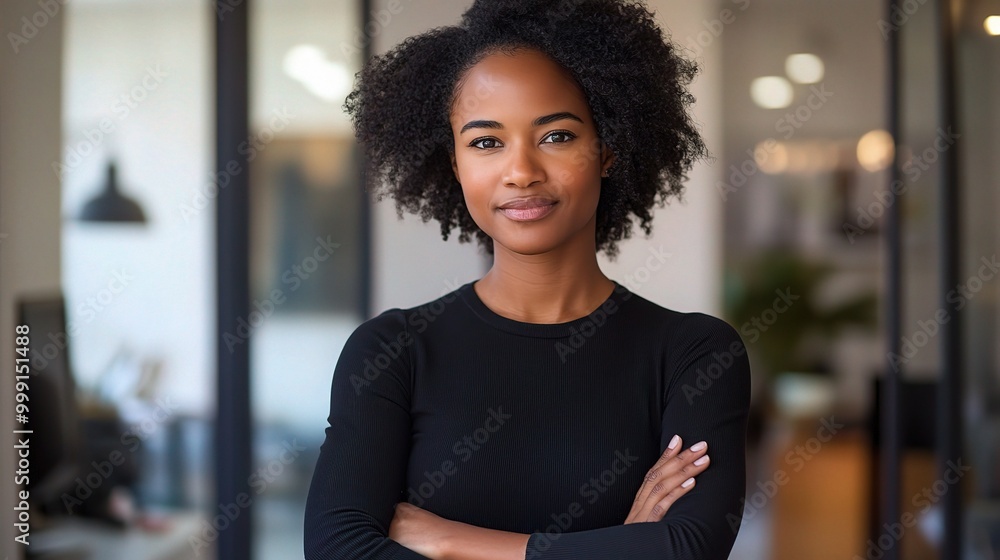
(79, 538)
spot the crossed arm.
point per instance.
(441, 539)
(707, 398)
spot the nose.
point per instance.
(522, 167)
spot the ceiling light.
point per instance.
(804, 68)
(992, 25)
(771, 92)
(876, 150)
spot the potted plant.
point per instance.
(777, 302)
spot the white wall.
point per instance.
(30, 89)
(159, 57)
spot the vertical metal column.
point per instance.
(949, 428)
(366, 202)
(233, 423)
(889, 424)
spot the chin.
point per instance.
(529, 244)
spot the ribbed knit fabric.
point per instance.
(540, 429)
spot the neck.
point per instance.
(554, 287)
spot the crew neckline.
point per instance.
(542, 330)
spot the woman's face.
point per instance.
(522, 129)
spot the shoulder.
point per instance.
(708, 328)
(680, 328)
(388, 324)
(704, 355)
(402, 323)
(696, 336)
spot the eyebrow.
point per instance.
(537, 122)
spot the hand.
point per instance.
(664, 483)
(419, 530)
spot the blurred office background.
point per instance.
(109, 179)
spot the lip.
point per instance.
(528, 214)
(527, 202)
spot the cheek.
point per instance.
(582, 165)
(479, 180)
(478, 193)
(580, 177)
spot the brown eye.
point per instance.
(564, 135)
(475, 143)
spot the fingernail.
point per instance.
(699, 446)
(688, 482)
(673, 442)
(701, 460)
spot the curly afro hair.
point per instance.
(633, 79)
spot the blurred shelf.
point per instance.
(87, 539)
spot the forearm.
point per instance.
(468, 542)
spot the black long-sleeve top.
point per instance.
(541, 429)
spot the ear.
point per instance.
(454, 166)
(607, 158)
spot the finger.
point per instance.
(672, 449)
(671, 474)
(661, 507)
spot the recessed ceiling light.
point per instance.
(876, 150)
(992, 25)
(804, 68)
(771, 92)
(323, 78)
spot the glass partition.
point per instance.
(307, 253)
(977, 57)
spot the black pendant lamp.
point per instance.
(110, 205)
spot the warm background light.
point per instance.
(804, 68)
(324, 78)
(771, 92)
(774, 161)
(876, 150)
(992, 25)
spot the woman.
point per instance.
(540, 411)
